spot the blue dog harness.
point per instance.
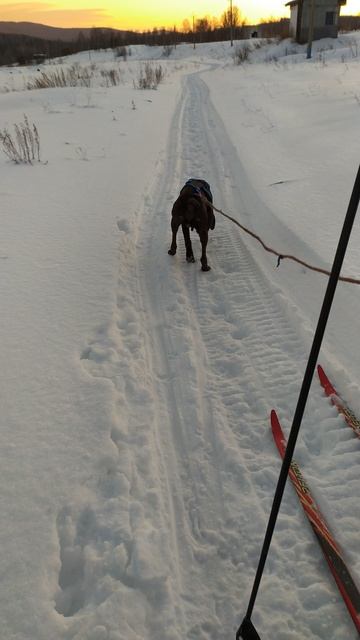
(200, 188)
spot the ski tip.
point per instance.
(277, 432)
(274, 419)
(325, 382)
(322, 375)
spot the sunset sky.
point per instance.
(141, 14)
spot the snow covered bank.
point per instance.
(137, 467)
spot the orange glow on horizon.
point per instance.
(141, 15)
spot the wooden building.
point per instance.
(326, 18)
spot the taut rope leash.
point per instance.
(281, 256)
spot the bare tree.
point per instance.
(203, 24)
(236, 18)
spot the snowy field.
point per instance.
(137, 463)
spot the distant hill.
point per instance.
(45, 32)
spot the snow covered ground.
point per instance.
(137, 465)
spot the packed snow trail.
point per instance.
(211, 353)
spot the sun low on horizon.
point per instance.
(143, 14)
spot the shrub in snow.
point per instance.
(22, 147)
(121, 52)
(354, 48)
(167, 50)
(150, 76)
(111, 77)
(76, 76)
(241, 54)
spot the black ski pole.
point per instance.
(247, 630)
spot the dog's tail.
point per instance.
(193, 210)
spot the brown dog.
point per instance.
(191, 211)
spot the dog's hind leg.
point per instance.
(188, 245)
(211, 218)
(174, 228)
(203, 259)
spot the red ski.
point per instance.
(330, 548)
(338, 402)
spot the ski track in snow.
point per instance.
(190, 430)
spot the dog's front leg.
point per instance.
(188, 245)
(174, 228)
(204, 241)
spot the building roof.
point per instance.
(293, 3)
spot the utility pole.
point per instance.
(194, 31)
(231, 24)
(311, 29)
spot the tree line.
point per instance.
(21, 49)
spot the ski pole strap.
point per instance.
(247, 631)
